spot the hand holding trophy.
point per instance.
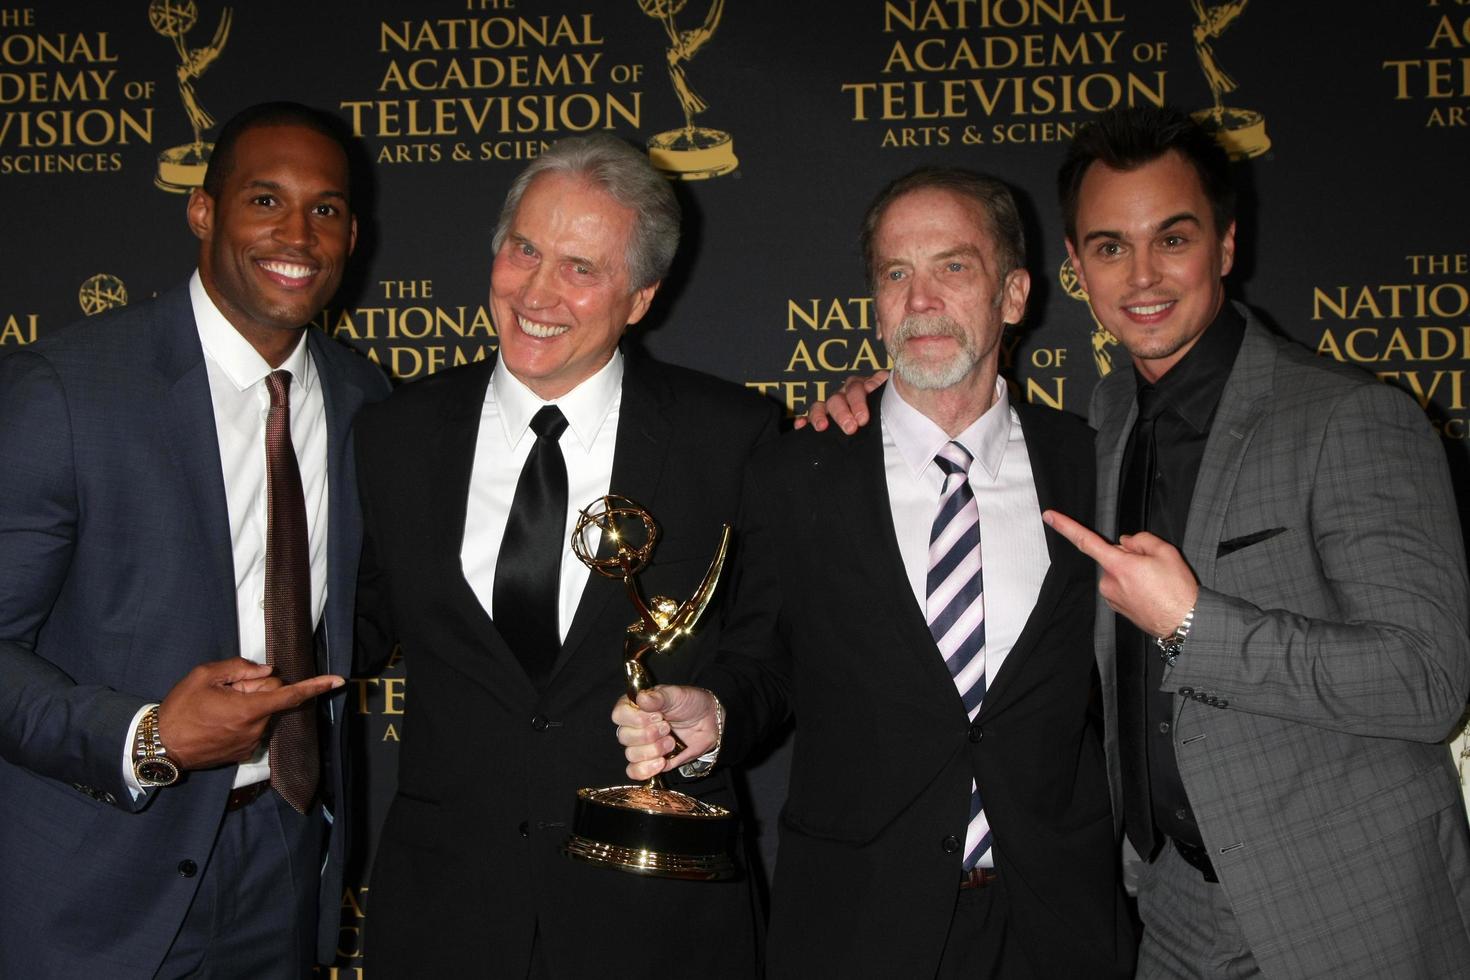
(647, 829)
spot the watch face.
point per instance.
(156, 772)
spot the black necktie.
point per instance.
(528, 570)
(1136, 487)
(295, 765)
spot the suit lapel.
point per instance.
(1243, 404)
(866, 512)
(193, 446)
(1116, 407)
(341, 399)
(639, 457)
(1053, 480)
(455, 440)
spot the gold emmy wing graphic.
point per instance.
(181, 168)
(100, 293)
(647, 829)
(1242, 132)
(1103, 340)
(694, 152)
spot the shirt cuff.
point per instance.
(129, 779)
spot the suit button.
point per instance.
(975, 733)
(525, 829)
(1181, 814)
(1187, 692)
(1163, 728)
(1222, 703)
(951, 844)
(187, 868)
(540, 723)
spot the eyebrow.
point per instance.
(1169, 222)
(520, 239)
(959, 251)
(272, 185)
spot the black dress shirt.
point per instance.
(1186, 397)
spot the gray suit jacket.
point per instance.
(1331, 637)
(116, 578)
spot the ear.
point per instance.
(1077, 266)
(1013, 295)
(642, 299)
(1227, 251)
(199, 212)
(352, 236)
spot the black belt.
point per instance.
(977, 878)
(1197, 857)
(243, 796)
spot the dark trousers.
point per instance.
(980, 941)
(255, 912)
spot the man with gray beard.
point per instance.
(898, 593)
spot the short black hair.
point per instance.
(222, 157)
(994, 197)
(1127, 137)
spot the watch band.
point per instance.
(1172, 645)
(151, 765)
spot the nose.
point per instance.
(294, 228)
(1143, 268)
(537, 291)
(922, 296)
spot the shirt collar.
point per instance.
(1192, 387)
(586, 406)
(918, 439)
(232, 353)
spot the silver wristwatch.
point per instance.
(1171, 645)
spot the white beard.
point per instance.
(929, 375)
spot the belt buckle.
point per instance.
(977, 878)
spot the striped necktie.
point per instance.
(956, 607)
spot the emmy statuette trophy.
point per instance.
(1241, 132)
(693, 152)
(647, 829)
(182, 167)
(1103, 340)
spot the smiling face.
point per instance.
(1150, 257)
(274, 243)
(941, 302)
(560, 291)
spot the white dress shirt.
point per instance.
(241, 403)
(502, 445)
(1012, 538)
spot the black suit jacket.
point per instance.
(468, 867)
(826, 626)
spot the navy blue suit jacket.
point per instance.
(117, 578)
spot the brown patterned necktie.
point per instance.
(295, 766)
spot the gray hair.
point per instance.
(625, 174)
(994, 198)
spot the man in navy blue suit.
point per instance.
(148, 826)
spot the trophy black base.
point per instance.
(652, 831)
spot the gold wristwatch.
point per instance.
(151, 764)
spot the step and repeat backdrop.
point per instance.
(777, 121)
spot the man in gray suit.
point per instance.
(1290, 645)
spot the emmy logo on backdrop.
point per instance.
(693, 152)
(1242, 132)
(1103, 340)
(100, 293)
(647, 829)
(182, 167)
